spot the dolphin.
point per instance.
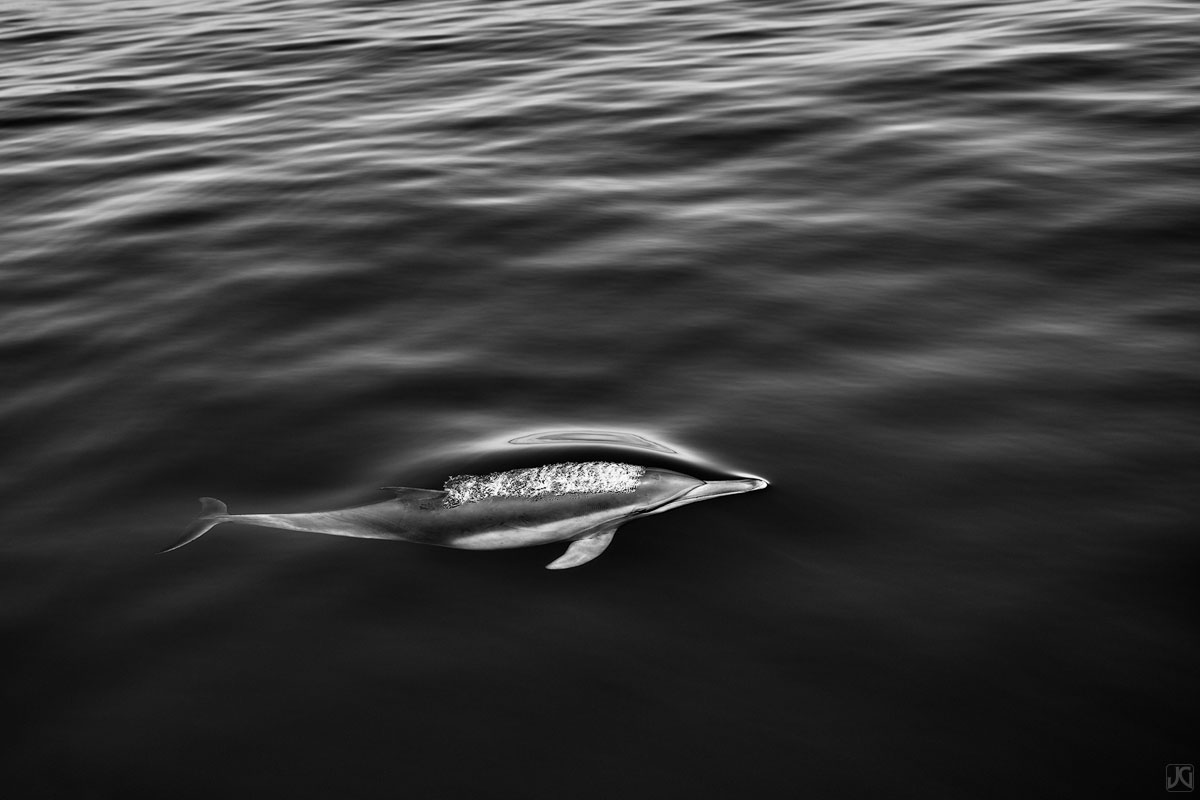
(579, 503)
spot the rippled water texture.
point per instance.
(928, 267)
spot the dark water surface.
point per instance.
(928, 267)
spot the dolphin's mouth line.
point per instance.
(708, 491)
(723, 488)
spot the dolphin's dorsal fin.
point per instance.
(584, 550)
(425, 497)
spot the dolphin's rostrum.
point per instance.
(580, 503)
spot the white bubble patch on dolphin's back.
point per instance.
(589, 477)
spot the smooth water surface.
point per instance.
(929, 267)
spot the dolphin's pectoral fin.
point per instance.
(584, 550)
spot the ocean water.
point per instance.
(929, 267)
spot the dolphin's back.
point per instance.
(552, 480)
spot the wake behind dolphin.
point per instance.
(580, 503)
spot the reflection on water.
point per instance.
(592, 437)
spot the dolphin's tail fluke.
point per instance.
(212, 512)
